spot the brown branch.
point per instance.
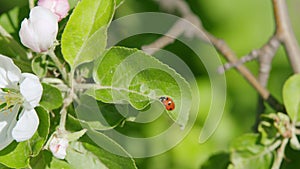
(265, 57)
(247, 58)
(285, 33)
(172, 5)
(169, 38)
(224, 49)
(219, 44)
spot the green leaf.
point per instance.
(3, 167)
(85, 35)
(47, 161)
(25, 66)
(119, 3)
(42, 160)
(217, 161)
(130, 76)
(73, 3)
(21, 152)
(75, 135)
(10, 47)
(94, 138)
(97, 115)
(39, 66)
(58, 164)
(83, 155)
(79, 157)
(51, 98)
(39, 138)
(247, 153)
(291, 97)
(292, 157)
(85, 70)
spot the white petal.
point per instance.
(26, 126)
(45, 26)
(10, 74)
(58, 7)
(28, 37)
(3, 78)
(39, 31)
(31, 89)
(7, 122)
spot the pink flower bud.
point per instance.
(58, 7)
(58, 147)
(39, 31)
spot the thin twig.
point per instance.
(264, 55)
(169, 38)
(241, 61)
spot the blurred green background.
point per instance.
(244, 25)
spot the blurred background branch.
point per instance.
(285, 33)
(265, 54)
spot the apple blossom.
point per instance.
(20, 93)
(59, 7)
(58, 146)
(39, 31)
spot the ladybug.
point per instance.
(168, 103)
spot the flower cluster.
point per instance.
(20, 93)
(39, 31)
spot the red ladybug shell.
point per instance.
(168, 103)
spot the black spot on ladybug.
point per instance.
(168, 103)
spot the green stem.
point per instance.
(63, 117)
(68, 78)
(280, 154)
(59, 65)
(31, 4)
(64, 112)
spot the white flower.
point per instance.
(18, 91)
(39, 31)
(58, 146)
(59, 7)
